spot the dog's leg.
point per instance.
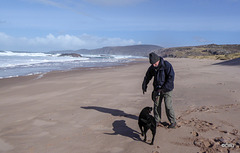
(145, 133)
(153, 136)
(141, 128)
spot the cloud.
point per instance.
(60, 42)
(114, 2)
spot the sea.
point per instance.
(15, 64)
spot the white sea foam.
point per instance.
(10, 53)
(126, 56)
(13, 64)
(14, 59)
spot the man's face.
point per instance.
(156, 64)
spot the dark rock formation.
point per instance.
(71, 54)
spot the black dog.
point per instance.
(146, 121)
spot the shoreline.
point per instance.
(24, 64)
(76, 68)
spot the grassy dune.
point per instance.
(212, 51)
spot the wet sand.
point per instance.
(96, 110)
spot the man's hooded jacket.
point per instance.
(163, 76)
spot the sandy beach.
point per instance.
(95, 110)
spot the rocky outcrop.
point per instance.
(71, 54)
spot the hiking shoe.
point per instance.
(172, 125)
(159, 124)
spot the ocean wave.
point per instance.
(11, 53)
(13, 64)
(9, 59)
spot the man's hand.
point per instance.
(144, 87)
(144, 91)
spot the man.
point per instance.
(163, 84)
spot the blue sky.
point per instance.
(45, 25)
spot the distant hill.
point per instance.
(213, 51)
(135, 50)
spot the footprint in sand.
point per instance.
(195, 134)
(199, 125)
(208, 109)
(211, 145)
(216, 144)
(234, 132)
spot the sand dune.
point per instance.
(96, 110)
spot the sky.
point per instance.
(47, 25)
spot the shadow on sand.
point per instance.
(113, 112)
(233, 62)
(120, 128)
